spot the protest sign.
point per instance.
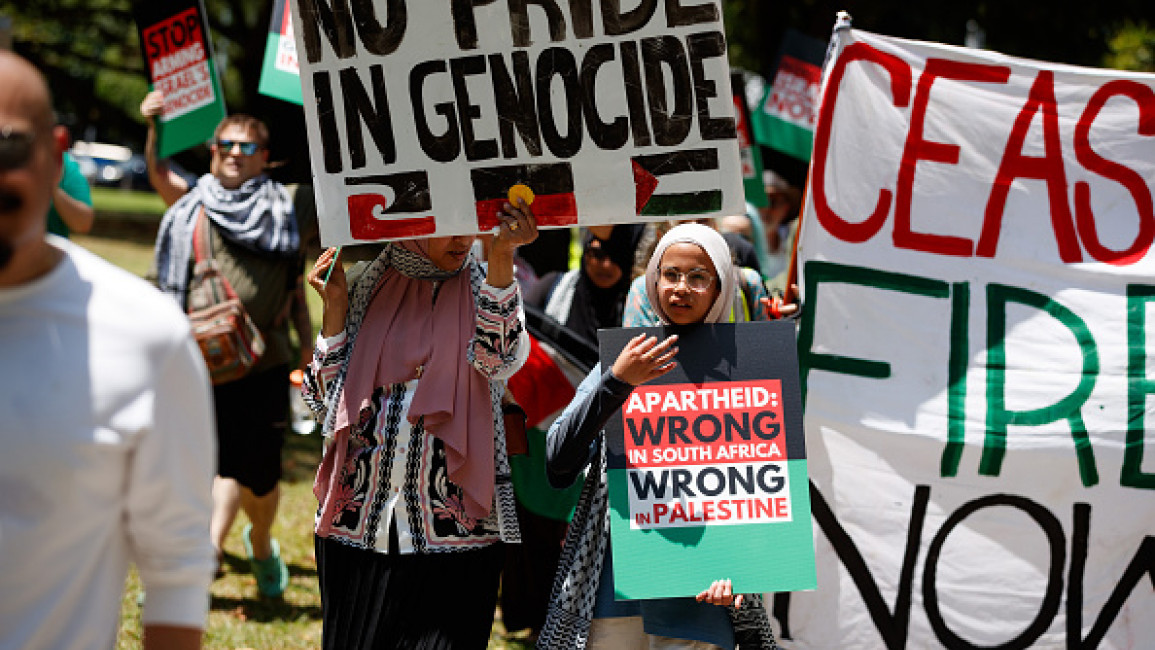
(748, 149)
(280, 73)
(706, 466)
(423, 115)
(178, 58)
(784, 120)
(977, 287)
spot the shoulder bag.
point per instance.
(228, 338)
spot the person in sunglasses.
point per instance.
(255, 237)
(108, 443)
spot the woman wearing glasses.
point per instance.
(690, 279)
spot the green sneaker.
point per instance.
(271, 573)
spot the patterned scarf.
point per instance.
(363, 287)
(406, 335)
(258, 216)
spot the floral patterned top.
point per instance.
(396, 476)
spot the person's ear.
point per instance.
(61, 140)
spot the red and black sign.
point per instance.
(172, 36)
(373, 214)
(554, 203)
(727, 401)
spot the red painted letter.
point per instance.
(1128, 178)
(917, 148)
(900, 83)
(1048, 168)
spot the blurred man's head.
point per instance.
(739, 224)
(240, 149)
(31, 145)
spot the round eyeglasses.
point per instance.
(696, 279)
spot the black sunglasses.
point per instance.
(15, 148)
(247, 148)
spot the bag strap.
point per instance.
(203, 249)
(202, 240)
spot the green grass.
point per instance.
(239, 618)
(123, 202)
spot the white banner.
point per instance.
(423, 115)
(975, 350)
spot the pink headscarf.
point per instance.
(404, 330)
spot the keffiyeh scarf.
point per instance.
(258, 216)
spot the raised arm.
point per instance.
(167, 183)
(571, 438)
(330, 351)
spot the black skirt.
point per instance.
(378, 601)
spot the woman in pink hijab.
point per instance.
(414, 486)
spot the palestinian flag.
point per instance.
(785, 117)
(553, 204)
(373, 213)
(686, 189)
(543, 387)
(749, 152)
(280, 73)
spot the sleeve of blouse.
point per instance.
(570, 442)
(500, 344)
(328, 355)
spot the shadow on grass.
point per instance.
(265, 610)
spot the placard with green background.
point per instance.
(707, 466)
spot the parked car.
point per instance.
(111, 165)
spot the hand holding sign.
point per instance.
(644, 359)
(327, 277)
(152, 105)
(517, 227)
(721, 593)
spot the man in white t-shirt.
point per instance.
(105, 420)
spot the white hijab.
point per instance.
(719, 252)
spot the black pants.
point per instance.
(527, 579)
(375, 601)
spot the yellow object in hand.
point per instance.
(522, 192)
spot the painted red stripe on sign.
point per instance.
(548, 209)
(364, 226)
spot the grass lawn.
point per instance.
(238, 617)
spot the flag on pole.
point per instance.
(748, 150)
(280, 74)
(785, 117)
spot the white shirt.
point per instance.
(107, 454)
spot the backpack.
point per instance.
(228, 338)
